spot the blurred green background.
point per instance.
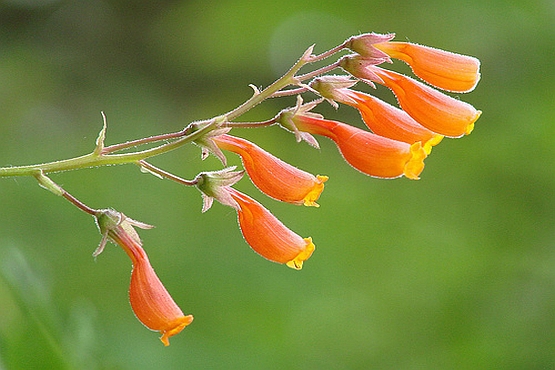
(455, 271)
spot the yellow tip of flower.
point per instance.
(470, 127)
(428, 145)
(297, 262)
(311, 198)
(415, 165)
(179, 325)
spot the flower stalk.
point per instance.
(394, 142)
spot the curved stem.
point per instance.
(138, 142)
(250, 124)
(318, 72)
(285, 80)
(82, 206)
(160, 172)
(290, 92)
(329, 53)
(102, 156)
(96, 160)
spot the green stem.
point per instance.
(96, 160)
(164, 174)
(286, 80)
(101, 156)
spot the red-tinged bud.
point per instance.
(442, 69)
(360, 68)
(382, 118)
(432, 109)
(150, 301)
(267, 236)
(369, 153)
(365, 46)
(273, 176)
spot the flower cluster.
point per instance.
(394, 143)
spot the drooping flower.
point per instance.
(380, 117)
(268, 236)
(434, 110)
(273, 176)
(150, 301)
(442, 69)
(369, 153)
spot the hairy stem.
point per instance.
(164, 174)
(96, 160)
(105, 155)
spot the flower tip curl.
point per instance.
(415, 166)
(297, 262)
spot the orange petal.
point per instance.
(269, 237)
(443, 69)
(432, 109)
(389, 121)
(369, 153)
(151, 302)
(272, 176)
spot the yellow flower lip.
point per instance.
(314, 193)
(175, 328)
(414, 167)
(297, 262)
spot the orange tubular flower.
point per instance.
(382, 118)
(273, 176)
(432, 109)
(369, 153)
(267, 236)
(440, 68)
(394, 123)
(151, 302)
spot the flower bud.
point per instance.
(215, 185)
(365, 46)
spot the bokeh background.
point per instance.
(454, 271)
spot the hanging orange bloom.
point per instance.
(432, 109)
(442, 69)
(380, 117)
(273, 176)
(369, 153)
(150, 301)
(269, 237)
(436, 111)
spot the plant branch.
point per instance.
(164, 174)
(191, 133)
(286, 80)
